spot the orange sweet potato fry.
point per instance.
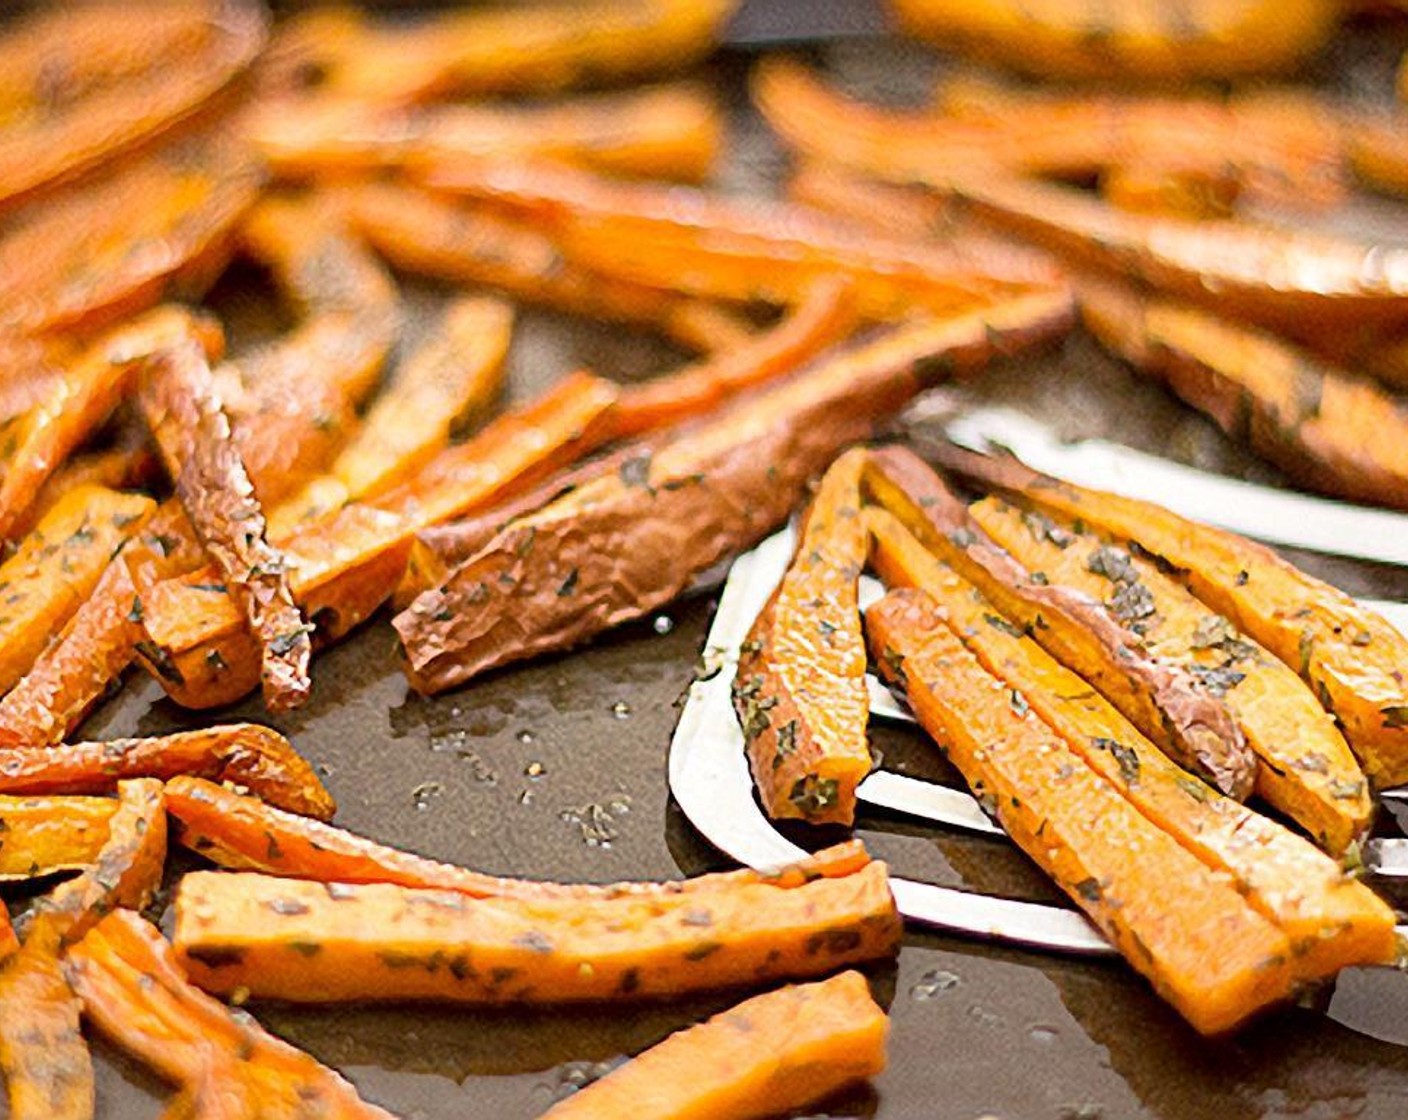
(378, 941)
(48, 1070)
(117, 468)
(771, 1054)
(48, 834)
(245, 754)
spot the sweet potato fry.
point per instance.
(1350, 656)
(663, 132)
(48, 834)
(824, 315)
(246, 834)
(56, 568)
(116, 468)
(9, 942)
(347, 563)
(226, 1065)
(800, 685)
(905, 212)
(245, 754)
(183, 410)
(1304, 766)
(457, 371)
(1143, 42)
(548, 581)
(1332, 920)
(314, 942)
(708, 245)
(1165, 701)
(44, 148)
(48, 1070)
(97, 252)
(1191, 934)
(1377, 149)
(770, 1054)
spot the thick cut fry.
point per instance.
(98, 252)
(48, 1070)
(1305, 768)
(226, 1066)
(769, 1055)
(824, 315)
(800, 685)
(593, 559)
(1165, 701)
(312, 942)
(244, 754)
(117, 468)
(666, 132)
(706, 244)
(456, 372)
(1190, 933)
(347, 563)
(1349, 655)
(48, 834)
(1144, 42)
(1332, 920)
(245, 834)
(56, 568)
(43, 148)
(182, 408)
(83, 397)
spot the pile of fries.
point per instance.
(216, 518)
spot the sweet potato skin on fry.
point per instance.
(800, 684)
(376, 941)
(770, 1054)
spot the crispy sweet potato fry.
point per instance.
(548, 581)
(42, 148)
(312, 942)
(770, 1054)
(1191, 934)
(245, 834)
(456, 372)
(1349, 655)
(226, 1066)
(800, 685)
(117, 468)
(906, 212)
(48, 1070)
(1305, 768)
(155, 228)
(56, 568)
(824, 315)
(48, 834)
(664, 132)
(182, 408)
(708, 245)
(1332, 920)
(1145, 42)
(245, 754)
(1165, 701)
(1328, 430)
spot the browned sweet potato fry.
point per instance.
(592, 559)
(664, 132)
(48, 834)
(1191, 934)
(378, 941)
(1349, 655)
(245, 754)
(226, 1066)
(899, 211)
(48, 1070)
(456, 372)
(1164, 700)
(41, 148)
(347, 563)
(56, 568)
(770, 1054)
(155, 228)
(712, 246)
(800, 685)
(117, 468)
(1377, 148)
(182, 408)
(1328, 430)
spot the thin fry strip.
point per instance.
(183, 410)
(245, 754)
(48, 834)
(117, 468)
(775, 1052)
(48, 1070)
(378, 941)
